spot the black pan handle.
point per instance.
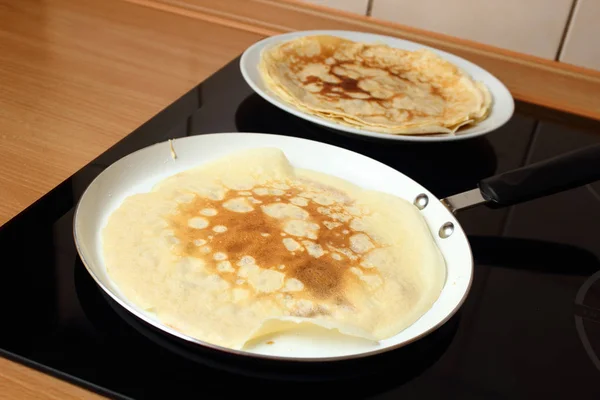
(543, 178)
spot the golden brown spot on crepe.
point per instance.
(322, 277)
(436, 91)
(410, 114)
(347, 85)
(258, 235)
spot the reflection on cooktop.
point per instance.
(456, 165)
(533, 255)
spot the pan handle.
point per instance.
(564, 172)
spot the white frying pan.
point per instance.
(139, 171)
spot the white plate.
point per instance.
(502, 102)
(139, 171)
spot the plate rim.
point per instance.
(504, 92)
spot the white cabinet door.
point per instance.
(528, 26)
(355, 6)
(582, 44)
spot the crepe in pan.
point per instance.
(247, 245)
(374, 86)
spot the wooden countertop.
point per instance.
(76, 77)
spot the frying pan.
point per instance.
(139, 171)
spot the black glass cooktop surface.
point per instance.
(529, 328)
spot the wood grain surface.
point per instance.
(77, 76)
(23, 383)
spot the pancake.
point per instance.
(373, 86)
(248, 245)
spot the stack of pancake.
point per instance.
(373, 86)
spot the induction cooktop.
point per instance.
(529, 328)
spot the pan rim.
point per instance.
(243, 353)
